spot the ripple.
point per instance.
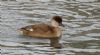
(3, 43)
(86, 0)
(82, 38)
(93, 34)
(82, 50)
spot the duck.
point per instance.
(45, 31)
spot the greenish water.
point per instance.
(81, 34)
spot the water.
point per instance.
(81, 34)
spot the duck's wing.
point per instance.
(40, 28)
(40, 31)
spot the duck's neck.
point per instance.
(54, 23)
(56, 28)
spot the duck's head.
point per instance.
(56, 21)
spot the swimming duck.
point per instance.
(52, 32)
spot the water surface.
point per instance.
(81, 34)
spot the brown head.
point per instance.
(56, 21)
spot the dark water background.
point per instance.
(81, 34)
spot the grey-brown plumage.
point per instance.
(45, 31)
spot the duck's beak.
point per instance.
(61, 25)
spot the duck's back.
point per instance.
(40, 30)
